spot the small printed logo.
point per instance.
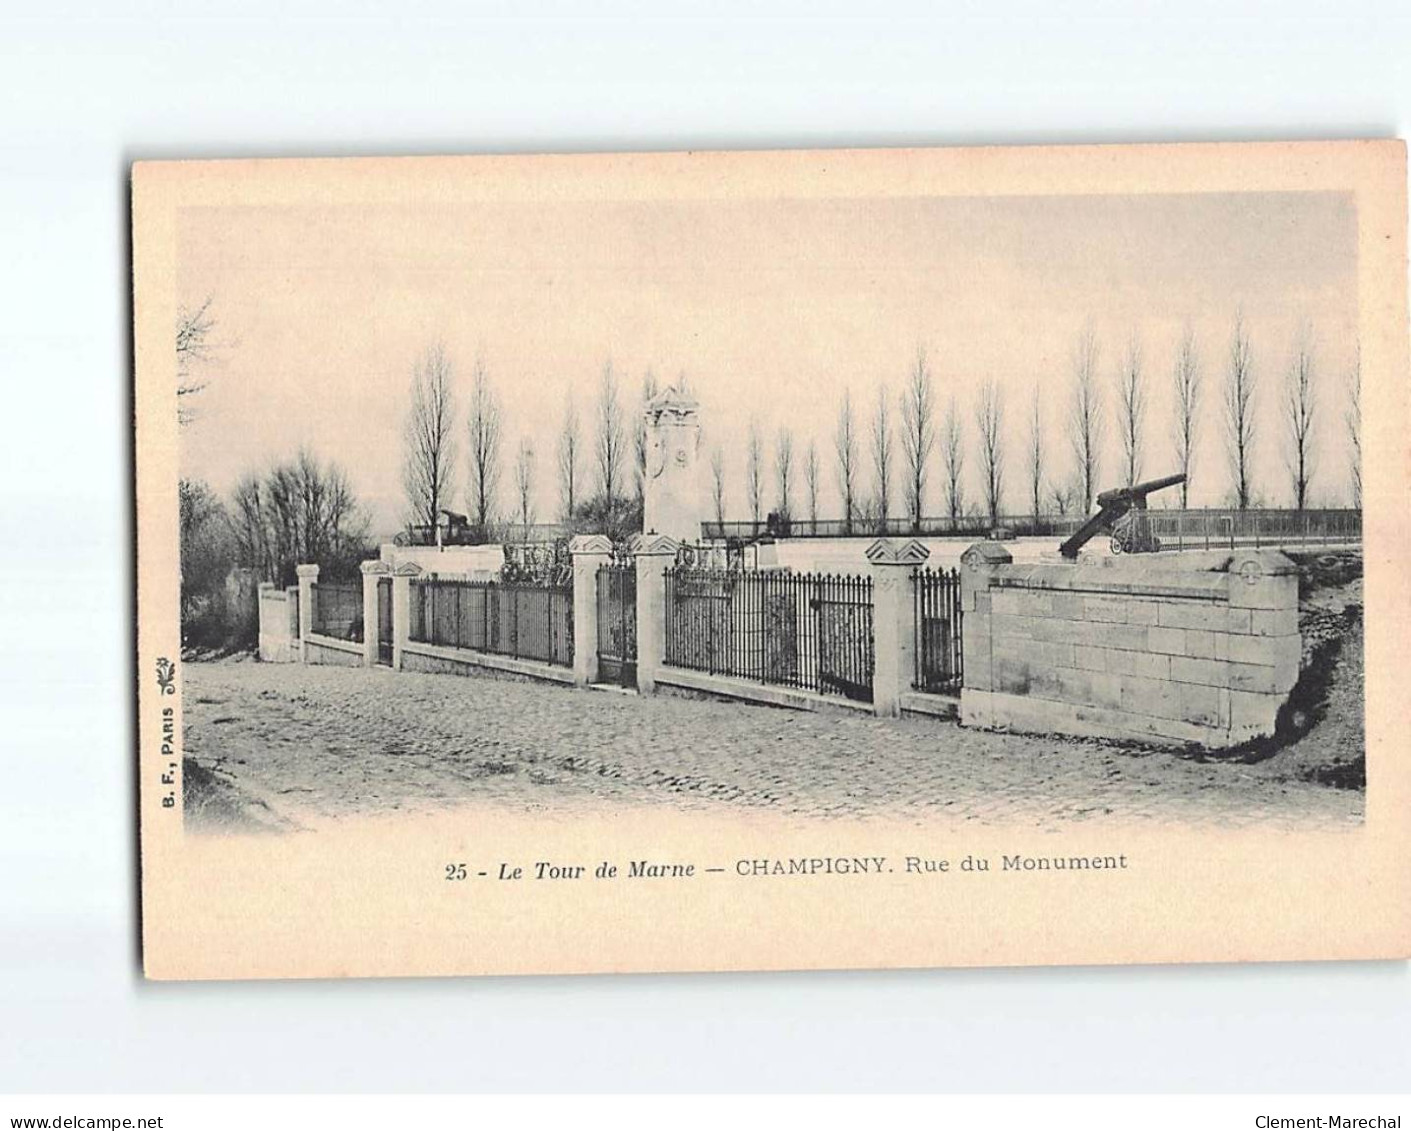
(166, 676)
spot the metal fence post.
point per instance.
(893, 621)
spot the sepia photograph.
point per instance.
(585, 493)
(1024, 510)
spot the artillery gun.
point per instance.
(1122, 514)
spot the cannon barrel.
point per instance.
(1138, 490)
(1113, 505)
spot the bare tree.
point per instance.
(1036, 453)
(717, 482)
(953, 461)
(1131, 401)
(1300, 405)
(485, 438)
(300, 511)
(754, 470)
(918, 434)
(568, 458)
(193, 349)
(784, 470)
(1085, 416)
(1239, 412)
(810, 475)
(989, 415)
(524, 484)
(429, 443)
(1353, 419)
(882, 456)
(610, 439)
(639, 435)
(845, 446)
(1185, 377)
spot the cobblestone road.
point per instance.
(315, 743)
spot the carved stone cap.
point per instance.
(672, 404)
(375, 566)
(887, 551)
(983, 554)
(265, 586)
(408, 569)
(653, 545)
(310, 571)
(590, 544)
(1254, 564)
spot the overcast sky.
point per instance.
(772, 309)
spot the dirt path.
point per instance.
(303, 745)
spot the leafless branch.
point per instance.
(1239, 413)
(918, 433)
(429, 441)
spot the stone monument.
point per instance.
(672, 499)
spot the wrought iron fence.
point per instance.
(338, 609)
(526, 622)
(939, 656)
(617, 624)
(808, 631)
(1210, 528)
(1227, 529)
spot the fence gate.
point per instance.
(384, 621)
(617, 624)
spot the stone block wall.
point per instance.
(1171, 647)
(334, 652)
(279, 624)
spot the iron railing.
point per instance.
(526, 622)
(940, 660)
(807, 631)
(338, 609)
(1211, 528)
(1227, 529)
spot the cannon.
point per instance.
(1122, 514)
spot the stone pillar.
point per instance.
(589, 551)
(402, 608)
(307, 574)
(673, 502)
(893, 621)
(372, 572)
(653, 553)
(1265, 644)
(978, 567)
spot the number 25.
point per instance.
(455, 871)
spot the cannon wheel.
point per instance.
(1116, 544)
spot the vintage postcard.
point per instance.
(754, 561)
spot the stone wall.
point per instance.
(328, 650)
(1171, 647)
(279, 624)
(478, 562)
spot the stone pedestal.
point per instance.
(653, 553)
(893, 621)
(589, 552)
(308, 576)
